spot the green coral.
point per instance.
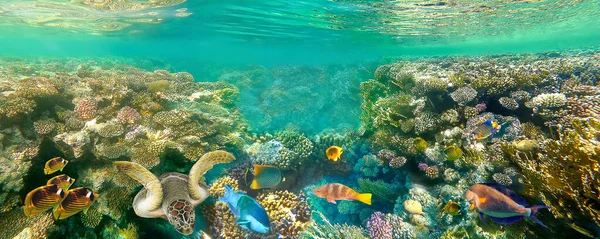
(369, 166)
(91, 218)
(384, 192)
(325, 230)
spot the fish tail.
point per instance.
(228, 193)
(364, 197)
(534, 210)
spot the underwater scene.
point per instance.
(315, 119)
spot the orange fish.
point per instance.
(42, 199)
(337, 191)
(63, 181)
(55, 164)
(334, 153)
(77, 200)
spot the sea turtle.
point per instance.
(173, 196)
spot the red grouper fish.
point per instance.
(501, 204)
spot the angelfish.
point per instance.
(63, 181)
(55, 164)
(42, 199)
(249, 213)
(501, 204)
(76, 200)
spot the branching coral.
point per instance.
(325, 230)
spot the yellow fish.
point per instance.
(63, 181)
(525, 145)
(55, 164)
(76, 200)
(42, 199)
(453, 152)
(334, 153)
(266, 176)
(420, 144)
(452, 208)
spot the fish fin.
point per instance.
(243, 223)
(482, 217)
(364, 198)
(507, 220)
(227, 193)
(331, 200)
(534, 211)
(254, 185)
(259, 168)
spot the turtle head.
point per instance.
(182, 216)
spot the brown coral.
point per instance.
(128, 115)
(86, 109)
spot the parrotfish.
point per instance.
(501, 204)
(486, 129)
(42, 199)
(337, 191)
(266, 176)
(250, 214)
(63, 181)
(76, 200)
(55, 164)
(334, 153)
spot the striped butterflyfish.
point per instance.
(63, 181)
(55, 164)
(42, 199)
(76, 200)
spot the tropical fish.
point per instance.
(55, 164)
(77, 200)
(420, 144)
(334, 153)
(525, 145)
(337, 191)
(266, 176)
(63, 181)
(250, 214)
(485, 130)
(452, 208)
(501, 204)
(453, 152)
(42, 199)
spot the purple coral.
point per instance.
(379, 228)
(423, 166)
(481, 107)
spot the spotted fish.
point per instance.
(337, 191)
(63, 181)
(55, 164)
(76, 200)
(42, 199)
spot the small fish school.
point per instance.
(56, 194)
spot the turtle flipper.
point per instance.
(154, 194)
(205, 163)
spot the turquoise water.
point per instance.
(277, 83)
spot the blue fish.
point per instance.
(485, 130)
(250, 214)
